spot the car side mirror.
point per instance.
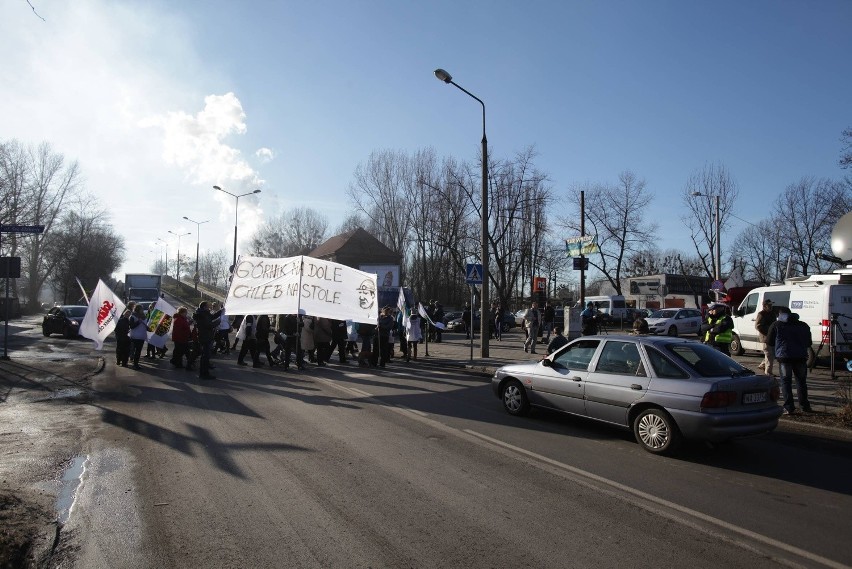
(547, 362)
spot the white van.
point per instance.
(815, 298)
(614, 306)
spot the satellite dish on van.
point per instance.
(841, 237)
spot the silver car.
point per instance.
(664, 389)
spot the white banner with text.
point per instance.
(302, 285)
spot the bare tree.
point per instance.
(37, 184)
(213, 267)
(616, 214)
(846, 153)
(699, 196)
(295, 232)
(760, 251)
(381, 192)
(806, 213)
(85, 246)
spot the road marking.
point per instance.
(665, 504)
(653, 504)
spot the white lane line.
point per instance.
(664, 508)
(664, 503)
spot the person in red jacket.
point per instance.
(181, 337)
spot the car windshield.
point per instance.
(706, 361)
(663, 314)
(75, 311)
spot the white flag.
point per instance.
(103, 312)
(160, 323)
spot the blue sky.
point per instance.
(160, 100)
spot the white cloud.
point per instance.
(118, 88)
(266, 155)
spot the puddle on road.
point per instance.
(71, 480)
(66, 393)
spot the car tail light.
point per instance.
(775, 393)
(717, 399)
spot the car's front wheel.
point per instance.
(736, 347)
(45, 332)
(515, 398)
(672, 330)
(504, 327)
(656, 431)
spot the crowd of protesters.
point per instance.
(273, 340)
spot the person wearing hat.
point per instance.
(386, 325)
(719, 328)
(762, 322)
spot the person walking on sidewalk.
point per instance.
(791, 339)
(532, 317)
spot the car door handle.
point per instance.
(636, 386)
(577, 378)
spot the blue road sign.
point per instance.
(21, 228)
(473, 273)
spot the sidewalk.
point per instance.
(455, 350)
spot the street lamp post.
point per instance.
(483, 310)
(197, 241)
(718, 253)
(179, 235)
(164, 258)
(236, 210)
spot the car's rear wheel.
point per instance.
(656, 431)
(736, 345)
(672, 331)
(515, 398)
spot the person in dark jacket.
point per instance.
(791, 339)
(290, 328)
(385, 328)
(262, 331)
(206, 323)
(558, 340)
(339, 339)
(762, 322)
(122, 336)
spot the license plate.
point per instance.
(754, 398)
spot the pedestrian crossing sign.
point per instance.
(474, 273)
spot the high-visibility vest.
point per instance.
(722, 338)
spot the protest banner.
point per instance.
(159, 323)
(302, 285)
(103, 312)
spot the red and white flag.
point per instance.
(103, 312)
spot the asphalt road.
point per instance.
(419, 466)
(414, 466)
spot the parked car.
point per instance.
(675, 321)
(457, 324)
(450, 316)
(519, 317)
(664, 389)
(63, 320)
